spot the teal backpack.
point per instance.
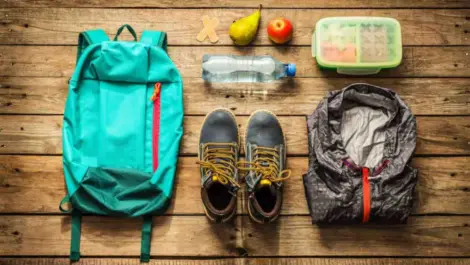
(122, 128)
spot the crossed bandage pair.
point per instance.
(209, 29)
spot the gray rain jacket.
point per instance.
(361, 140)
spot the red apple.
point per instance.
(280, 30)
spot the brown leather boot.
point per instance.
(265, 149)
(218, 157)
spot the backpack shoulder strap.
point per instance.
(75, 237)
(89, 37)
(146, 238)
(75, 231)
(156, 38)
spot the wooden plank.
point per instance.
(241, 3)
(104, 236)
(196, 236)
(295, 236)
(23, 134)
(59, 61)
(61, 25)
(425, 96)
(30, 134)
(437, 133)
(443, 187)
(241, 261)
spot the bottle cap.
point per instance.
(290, 69)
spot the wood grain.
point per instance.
(294, 235)
(240, 3)
(104, 236)
(59, 61)
(425, 96)
(60, 26)
(195, 236)
(241, 261)
(32, 134)
(436, 133)
(443, 187)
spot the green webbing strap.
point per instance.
(65, 200)
(156, 38)
(88, 38)
(75, 240)
(129, 28)
(146, 236)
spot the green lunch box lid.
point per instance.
(357, 45)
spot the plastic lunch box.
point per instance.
(357, 45)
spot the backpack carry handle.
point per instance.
(129, 28)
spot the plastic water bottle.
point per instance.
(231, 68)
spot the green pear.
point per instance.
(243, 30)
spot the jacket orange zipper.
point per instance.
(366, 194)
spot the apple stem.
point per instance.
(260, 6)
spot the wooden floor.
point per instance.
(37, 56)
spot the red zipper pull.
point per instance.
(156, 91)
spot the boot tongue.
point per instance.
(216, 179)
(266, 183)
(213, 180)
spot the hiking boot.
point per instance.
(265, 149)
(218, 157)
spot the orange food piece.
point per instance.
(349, 53)
(333, 53)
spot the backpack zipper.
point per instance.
(156, 123)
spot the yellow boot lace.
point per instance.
(219, 159)
(266, 163)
